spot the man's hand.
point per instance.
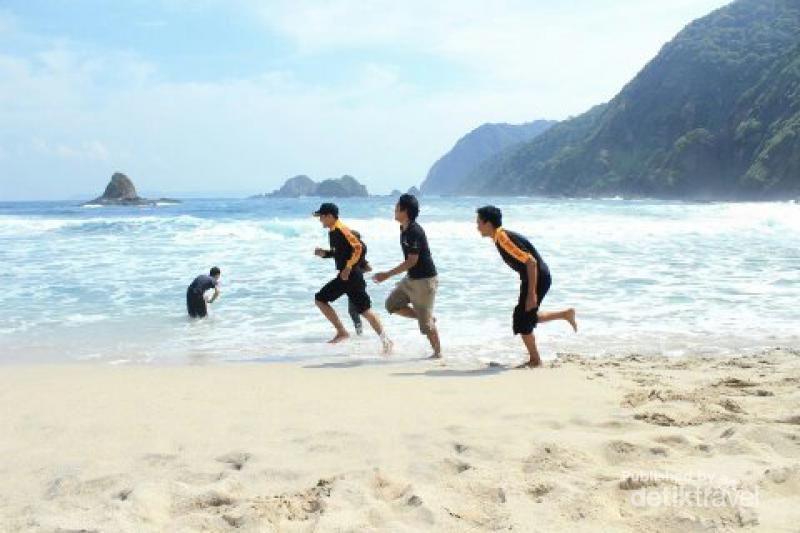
(380, 277)
(531, 302)
(319, 252)
(345, 274)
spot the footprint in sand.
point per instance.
(658, 419)
(794, 420)
(538, 490)
(236, 460)
(387, 490)
(454, 466)
(782, 480)
(638, 482)
(208, 499)
(123, 494)
(552, 457)
(305, 505)
(69, 486)
(734, 383)
(618, 452)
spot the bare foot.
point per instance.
(571, 319)
(388, 345)
(339, 338)
(435, 356)
(529, 364)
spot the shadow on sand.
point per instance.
(440, 372)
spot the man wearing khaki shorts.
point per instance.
(414, 296)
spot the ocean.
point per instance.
(646, 277)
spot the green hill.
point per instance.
(716, 114)
(447, 175)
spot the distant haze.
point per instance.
(226, 98)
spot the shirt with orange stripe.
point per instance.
(516, 251)
(346, 248)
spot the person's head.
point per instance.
(407, 208)
(215, 272)
(328, 214)
(489, 219)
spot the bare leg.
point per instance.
(433, 335)
(375, 322)
(330, 314)
(406, 311)
(565, 314)
(530, 344)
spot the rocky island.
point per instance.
(301, 185)
(121, 191)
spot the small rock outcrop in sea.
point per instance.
(296, 187)
(121, 191)
(414, 191)
(302, 185)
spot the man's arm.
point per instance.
(214, 296)
(325, 254)
(406, 265)
(532, 300)
(355, 257)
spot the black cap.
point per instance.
(327, 209)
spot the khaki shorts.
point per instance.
(421, 294)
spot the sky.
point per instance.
(232, 97)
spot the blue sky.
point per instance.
(233, 97)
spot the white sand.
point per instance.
(577, 446)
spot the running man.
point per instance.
(346, 250)
(520, 255)
(195, 293)
(414, 295)
(352, 308)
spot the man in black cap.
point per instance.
(347, 251)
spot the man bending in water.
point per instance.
(195, 293)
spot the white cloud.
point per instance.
(86, 150)
(96, 111)
(546, 47)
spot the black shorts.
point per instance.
(525, 321)
(355, 288)
(195, 304)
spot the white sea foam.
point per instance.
(85, 319)
(645, 277)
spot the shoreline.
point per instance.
(397, 447)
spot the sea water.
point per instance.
(647, 277)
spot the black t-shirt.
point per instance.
(414, 241)
(202, 283)
(362, 263)
(345, 247)
(516, 250)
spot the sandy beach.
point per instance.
(613, 444)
